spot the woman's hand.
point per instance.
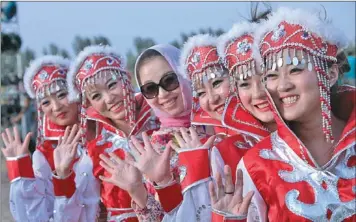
(13, 145)
(65, 152)
(153, 165)
(229, 197)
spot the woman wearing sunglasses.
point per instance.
(193, 200)
(169, 94)
(201, 63)
(108, 105)
(37, 194)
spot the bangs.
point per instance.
(52, 88)
(100, 78)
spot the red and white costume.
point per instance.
(36, 193)
(288, 184)
(91, 65)
(201, 62)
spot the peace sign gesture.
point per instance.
(66, 150)
(13, 145)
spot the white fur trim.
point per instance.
(307, 19)
(193, 42)
(36, 65)
(87, 51)
(236, 31)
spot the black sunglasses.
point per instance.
(168, 82)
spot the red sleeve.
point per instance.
(19, 168)
(64, 187)
(194, 166)
(170, 197)
(230, 153)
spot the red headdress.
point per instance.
(93, 64)
(238, 51)
(299, 31)
(200, 62)
(44, 76)
(241, 57)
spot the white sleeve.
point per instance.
(31, 199)
(217, 163)
(83, 205)
(194, 207)
(257, 211)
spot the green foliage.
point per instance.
(140, 44)
(79, 43)
(184, 36)
(351, 50)
(53, 49)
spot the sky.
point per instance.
(42, 23)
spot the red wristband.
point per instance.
(20, 168)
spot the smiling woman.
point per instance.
(99, 79)
(43, 187)
(310, 156)
(159, 83)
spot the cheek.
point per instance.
(74, 109)
(245, 97)
(223, 90)
(153, 102)
(118, 92)
(271, 85)
(97, 105)
(307, 84)
(47, 111)
(203, 102)
(179, 95)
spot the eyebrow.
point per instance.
(166, 73)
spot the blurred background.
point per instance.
(33, 29)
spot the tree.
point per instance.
(351, 50)
(53, 49)
(184, 36)
(27, 56)
(79, 43)
(101, 40)
(140, 44)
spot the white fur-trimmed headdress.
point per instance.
(78, 74)
(93, 65)
(199, 59)
(304, 33)
(309, 20)
(43, 71)
(44, 76)
(238, 50)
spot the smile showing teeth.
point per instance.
(220, 109)
(290, 100)
(116, 108)
(263, 105)
(169, 103)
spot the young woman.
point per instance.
(110, 114)
(37, 194)
(210, 79)
(305, 171)
(169, 94)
